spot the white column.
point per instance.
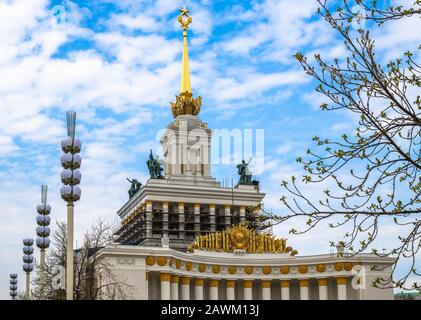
(181, 220)
(198, 289)
(165, 286)
(174, 287)
(322, 289)
(304, 292)
(197, 219)
(69, 253)
(341, 281)
(165, 217)
(284, 289)
(266, 289)
(146, 293)
(213, 289)
(242, 214)
(230, 287)
(212, 217)
(149, 219)
(248, 289)
(28, 284)
(42, 272)
(227, 215)
(185, 288)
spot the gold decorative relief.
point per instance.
(321, 268)
(266, 270)
(248, 270)
(202, 267)
(240, 237)
(284, 270)
(341, 280)
(150, 260)
(348, 266)
(162, 261)
(165, 276)
(213, 283)
(232, 270)
(216, 269)
(302, 269)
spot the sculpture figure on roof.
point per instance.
(244, 172)
(154, 166)
(135, 187)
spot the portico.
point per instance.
(175, 275)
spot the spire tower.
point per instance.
(185, 75)
(185, 103)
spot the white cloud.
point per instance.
(279, 27)
(254, 84)
(284, 148)
(17, 17)
(146, 50)
(139, 22)
(342, 127)
(121, 82)
(397, 37)
(6, 145)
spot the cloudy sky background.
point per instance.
(118, 64)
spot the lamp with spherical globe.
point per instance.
(70, 192)
(13, 285)
(28, 265)
(43, 232)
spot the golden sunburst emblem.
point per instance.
(239, 236)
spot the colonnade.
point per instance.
(172, 285)
(181, 217)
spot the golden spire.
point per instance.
(185, 20)
(185, 103)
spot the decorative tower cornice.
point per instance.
(185, 103)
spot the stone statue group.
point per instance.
(244, 173)
(135, 187)
(154, 166)
(155, 171)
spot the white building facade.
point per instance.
(183, 236)
(168, 274)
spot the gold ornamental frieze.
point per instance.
(240, 237)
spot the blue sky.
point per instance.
(118, 64)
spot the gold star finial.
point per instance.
(184, 11)
(184, 18)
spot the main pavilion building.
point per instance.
(185, 236)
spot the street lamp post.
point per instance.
(43, 232)
(13, 285)
(28, 260)
(70, 192)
